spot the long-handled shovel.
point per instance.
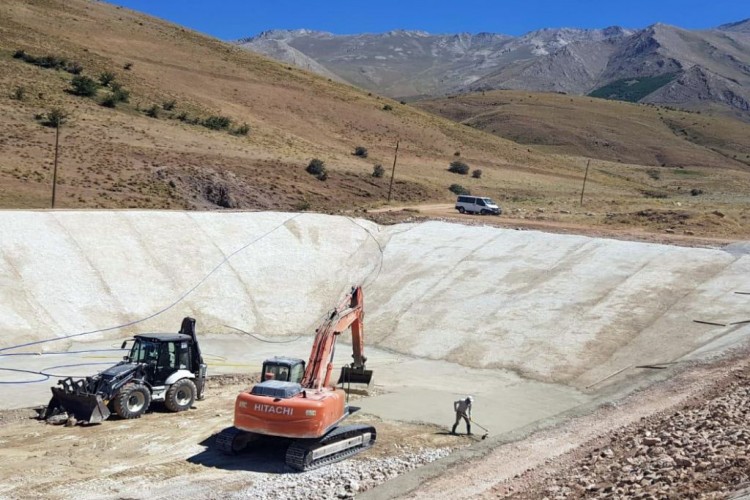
(486, 431)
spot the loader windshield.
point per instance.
(144, 351)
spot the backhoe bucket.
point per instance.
(84, 407)
(351, 375)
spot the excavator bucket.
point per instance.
(84, 407)
(351, 375)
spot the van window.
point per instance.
(480, 202)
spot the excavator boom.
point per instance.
(349, 313)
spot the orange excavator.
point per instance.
(296, 403)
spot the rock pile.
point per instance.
(700, 451)
(341, 480)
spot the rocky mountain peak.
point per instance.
(739, 26)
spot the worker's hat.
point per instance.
(470, 399)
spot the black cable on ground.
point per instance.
(56, 353)
(46, 371)
(264, 340)
(380, 248)
(16, 382)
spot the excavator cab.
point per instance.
(283, 369)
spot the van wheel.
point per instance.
(461, 210)
(484, 212)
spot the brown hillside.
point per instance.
(123, 158)
(608, 130)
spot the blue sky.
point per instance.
(232, 19)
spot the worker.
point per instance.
(462, 407)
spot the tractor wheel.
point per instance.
(181, 395)
(132, 401)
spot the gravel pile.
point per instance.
(700, 451)
(341, 480)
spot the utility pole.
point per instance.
(584, 180)
(55, 118)
(54, 171)
(393, 172)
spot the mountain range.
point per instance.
(660, 64)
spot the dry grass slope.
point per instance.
(121, 157)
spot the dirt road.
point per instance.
(563, 222)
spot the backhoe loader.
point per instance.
(160, 367)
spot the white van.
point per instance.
(477, 205)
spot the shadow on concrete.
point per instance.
(262, 456)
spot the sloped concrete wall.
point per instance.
(550, 307)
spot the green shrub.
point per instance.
(387, 107)
(153, 111)
(654, 194)
(696, 192)
(458, 189)
(183, 116)
(476, 173)
(317, 168)
(106, 78)
(654, 173)
(109, 101)
(84, 86)
(54, 118)
(50, 62)
(360, 151)
(19, 93)
(216, 122)
(458, 167)
(378, 171)
(47, 62)
(169, 105)
(121, 95)
(74, 68)
(243, 129)
(302, 206)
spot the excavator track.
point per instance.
(339, 444)
(232, 440)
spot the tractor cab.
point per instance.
(283, 369)
(163, 355)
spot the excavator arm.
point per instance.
(348, 314)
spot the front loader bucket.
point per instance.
(84, 407)
(351, 375)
